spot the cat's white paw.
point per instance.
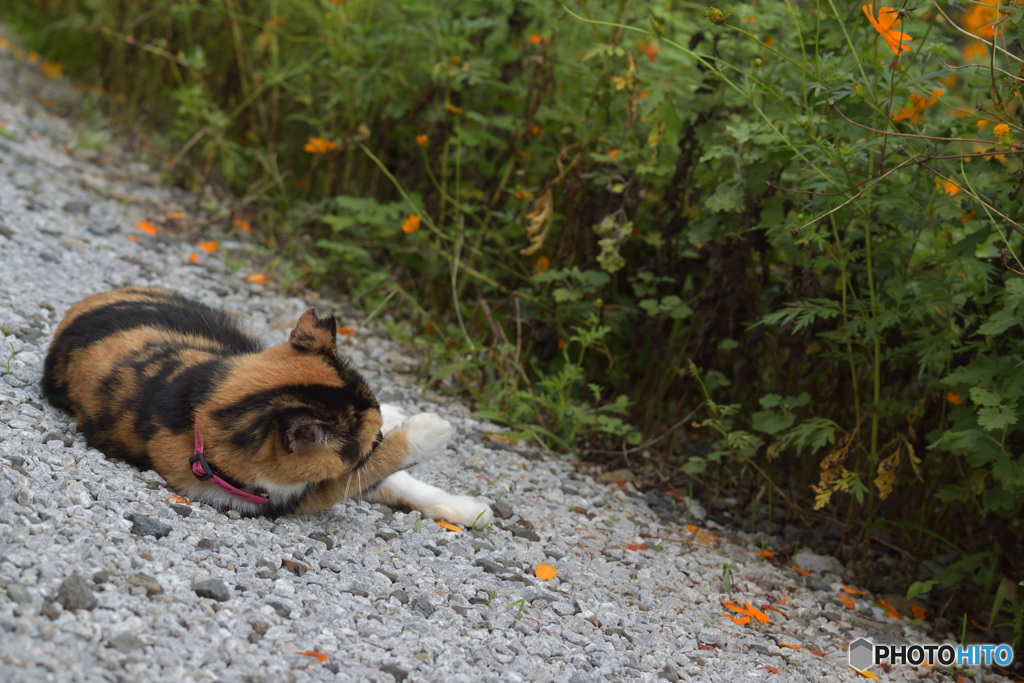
(392, 415)
(464, 510)
(427, 434)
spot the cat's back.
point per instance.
(107, 338)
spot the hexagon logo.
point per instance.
(862, 654)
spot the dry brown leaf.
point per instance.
(538, 225)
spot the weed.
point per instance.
(521, 602)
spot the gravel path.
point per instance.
(104, 577)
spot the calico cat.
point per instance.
(170, 384)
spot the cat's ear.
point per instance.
(302, 434)
(314, 334)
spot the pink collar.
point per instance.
(203, 472)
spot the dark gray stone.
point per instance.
(183, 510)
(387, 534)
(143, 525)
(401, 596)
(100, 577)
(77, 206)
(283, 611)
(492, 567)
(208, 544)
(521, 531)
(423, 606)
(502, 509)
(390, 574)
(76, 592)
(398, 672)
(323, 538)
(211, 588)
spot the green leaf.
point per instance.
(984, 397)
(997, 418)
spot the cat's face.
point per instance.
(295, 413)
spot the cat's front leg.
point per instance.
(404, 490)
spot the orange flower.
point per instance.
(918, 103)
(422, 140)
(320, 145)
(523, 194)
(545, 572)
(542, 264)
(968, 216)
(649, 49)
(52, 69)
(411, 224)
(974, 49)
(259, 278)
(242, 225)
(535, 131)
(534, 38)
(980, 19)
(953, 398)
(146, 227)
(888, 26)
(561, 343)
(209, 246)
(1001, 131)
(194, 259)
(947, 186)
(453, 109)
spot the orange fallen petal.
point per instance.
(691, 528)
(313, 653)
(729, 604)
(978, 626)
(891, 611)
(146, 227)
(791, 647)
(847, 601)
(179, 499)
(346, 331)
(242, 225)
(865, 674)
(919, 612)
(757, 614)
(849, 590)
(673, 494)
(545, 572)
(816, 652)
(133, 238)
(449, 527)
(740, 621)
(209, 246)
(771, 668)
(801, 572)
(259, 278)
(775, 609)
(174, 215)
(637, 546)
(193, 258)
(762, 553)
